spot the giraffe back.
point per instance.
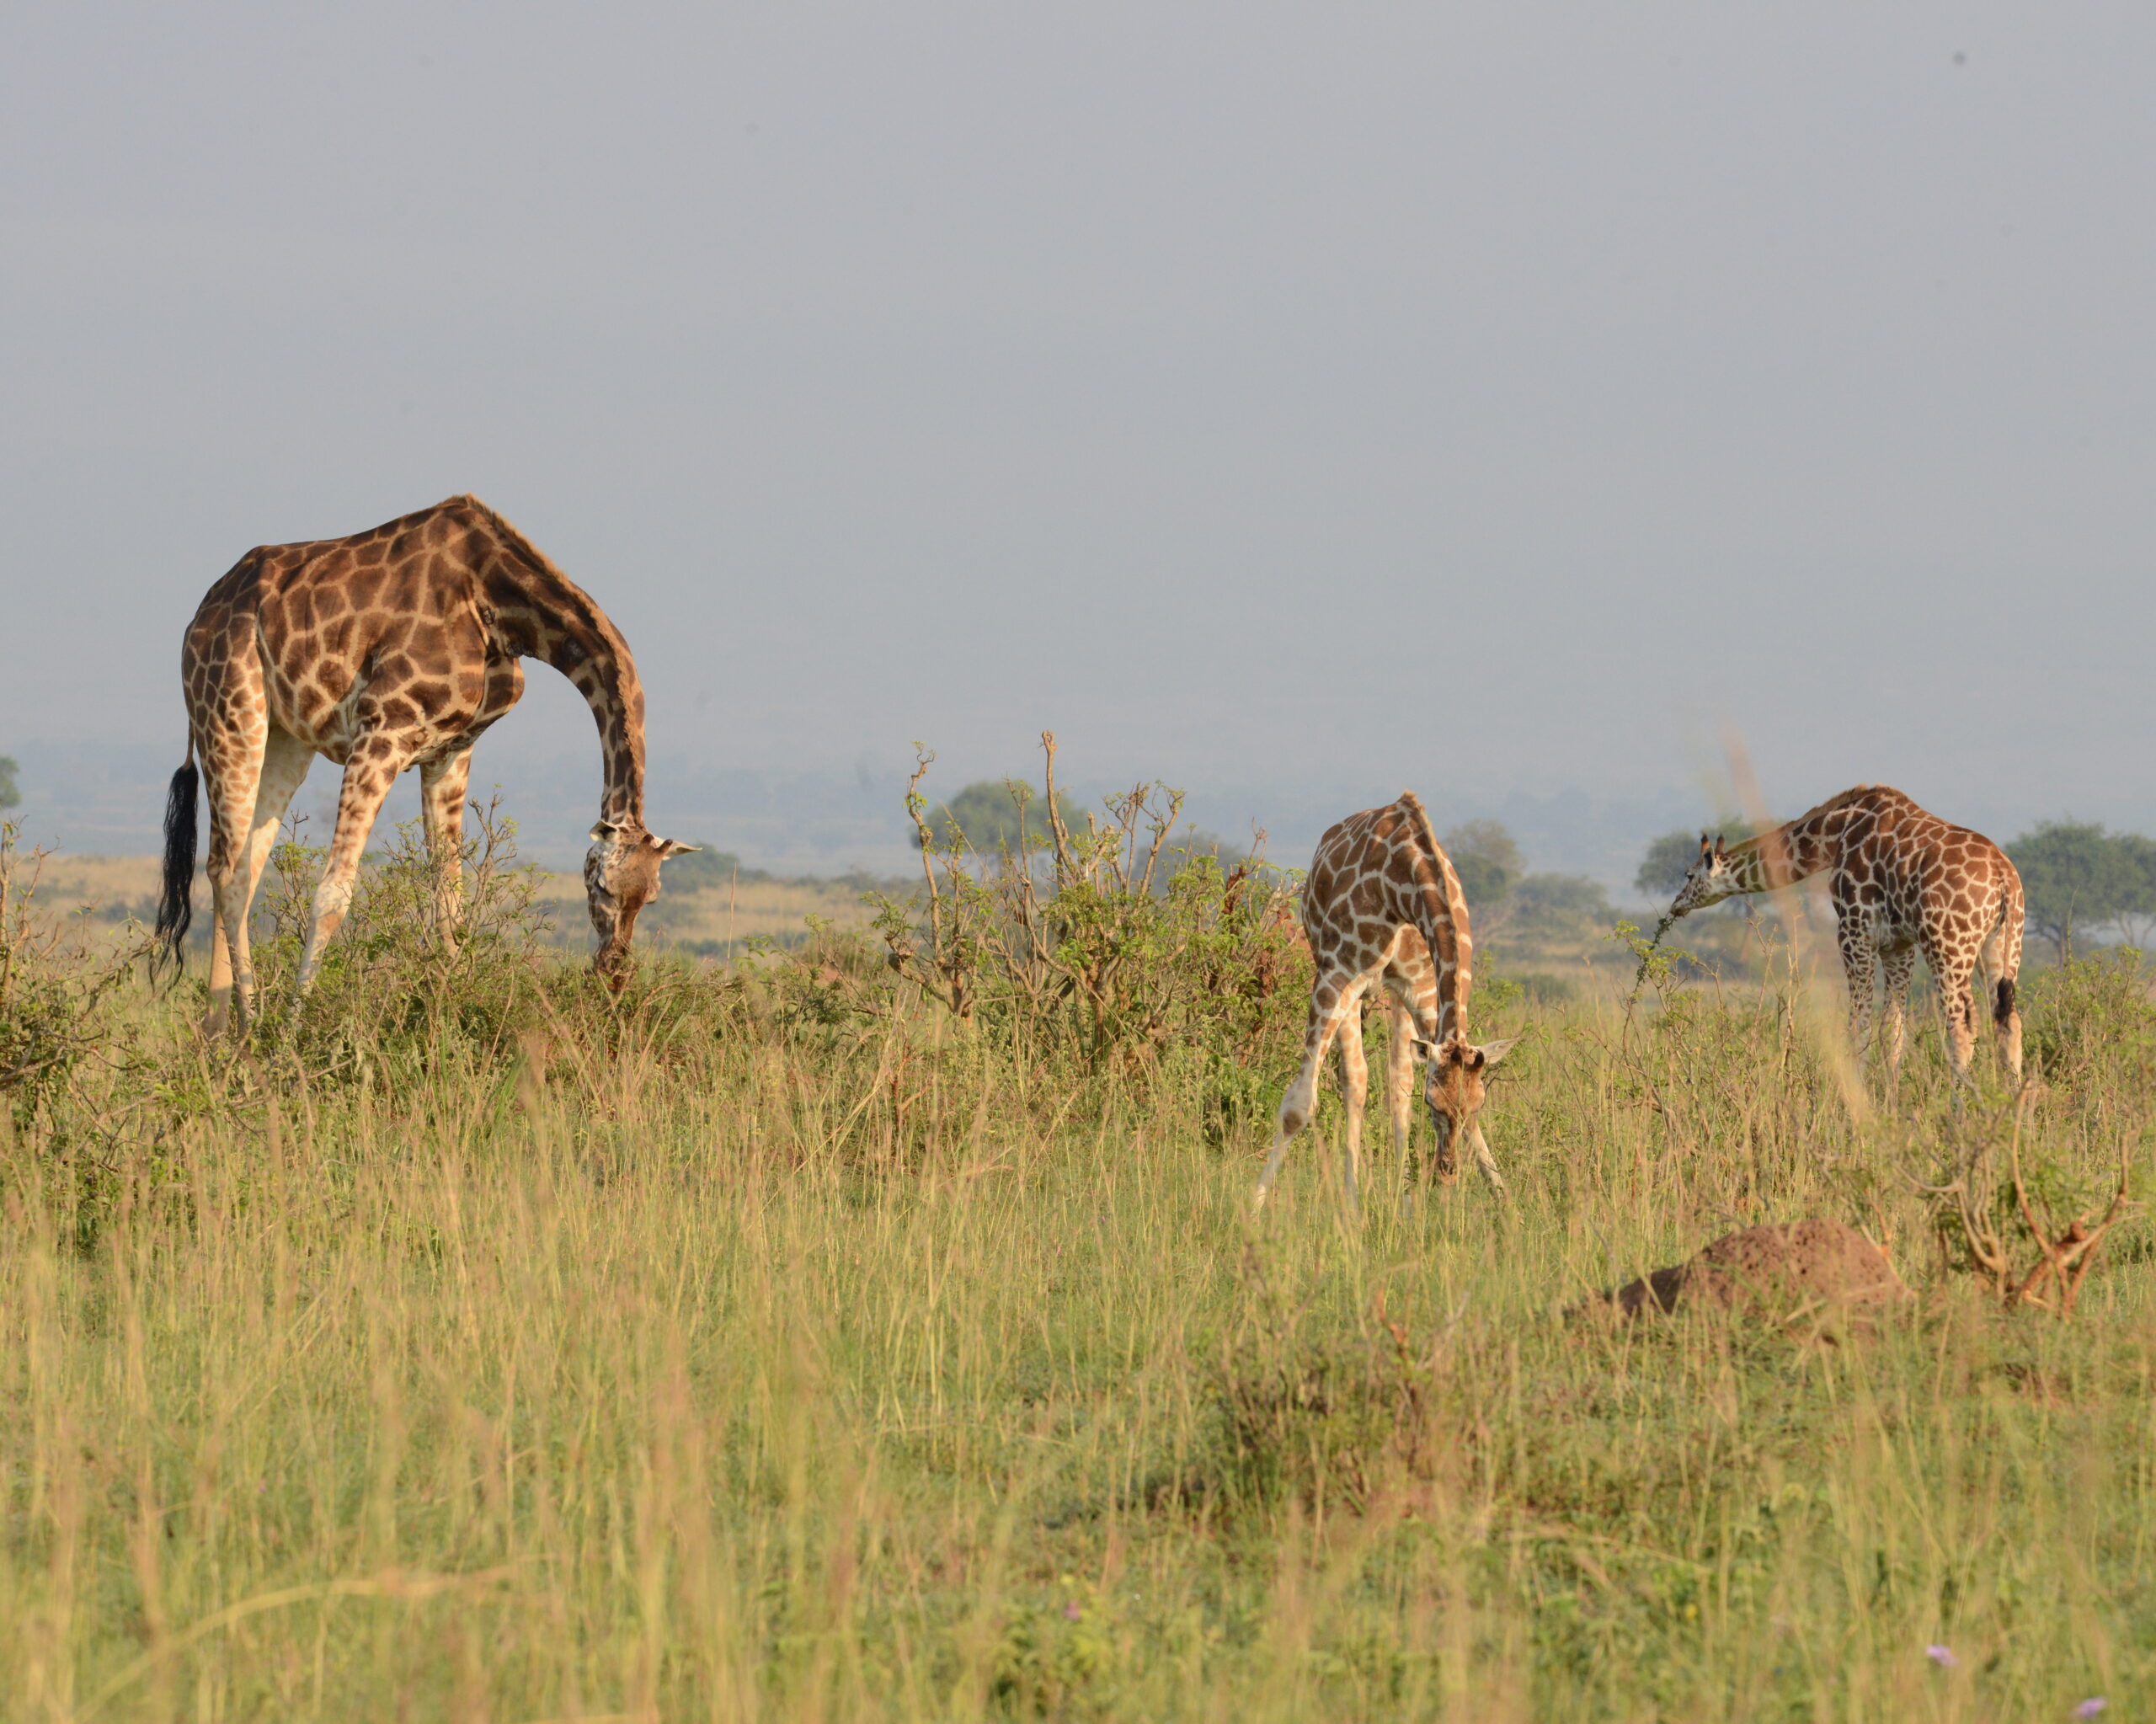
(1913, 876)
(1381, 890)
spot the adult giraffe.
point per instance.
(391, 648)
(1903, 883)
(1381, 904)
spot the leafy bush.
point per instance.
(2092, 1018)
(1106, 942)
(56, 992)
(391, 988)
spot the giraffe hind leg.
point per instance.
(1958, 998)
(1899, 965)
(282, 769)
(1858, 966)
(2001, 995)
(233, 757)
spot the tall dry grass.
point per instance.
(771, 1344)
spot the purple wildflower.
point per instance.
(2089, 1708)
(1941, 1656)
(1071, 1613)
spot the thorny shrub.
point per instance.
(1111, 943)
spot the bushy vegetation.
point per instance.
(818, 1337)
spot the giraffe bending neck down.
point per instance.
(1382, 905)
(392, 649)
(1904, 884)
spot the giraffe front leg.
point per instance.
(1354, 1096)
(1400, 1084)
(442, 783)
(1899, 964)
(1300, 1101)
(1487, 1162)
(368, 774)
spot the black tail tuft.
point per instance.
(176, 902)
(2002, 1003)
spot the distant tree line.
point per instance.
(1505, 898)
(10, 795)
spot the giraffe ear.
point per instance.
(1492, 1052)
(671, 847)
(602, 829)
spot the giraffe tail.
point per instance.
(175, 902)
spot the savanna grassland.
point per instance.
(813, 1337)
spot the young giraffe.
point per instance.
(1903, 883)
(391, 648)
(1382, 904)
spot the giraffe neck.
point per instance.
(541, 613)
(1793, 851)
(1442, 923)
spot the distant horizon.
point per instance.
(825, 822)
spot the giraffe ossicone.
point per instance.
(1382, 906)
(1904, 884)
(393, 648)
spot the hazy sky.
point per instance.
(1474, 396)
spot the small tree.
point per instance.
(9, 796)
(984, 817)
(1486, 857)
(1670, 857)
(2075, 874)
(2136, 913)
(1557, 905)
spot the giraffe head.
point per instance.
(621, 876)
(1709, 880)
(1455, 1087)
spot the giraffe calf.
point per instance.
(1383, 906)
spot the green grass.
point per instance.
(773, 1347)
